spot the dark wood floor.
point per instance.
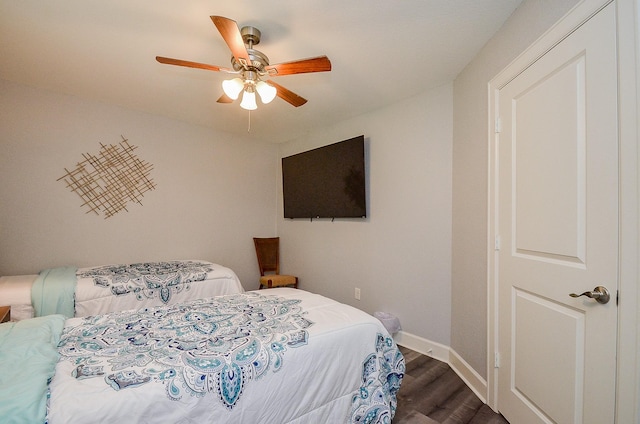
(432, 393)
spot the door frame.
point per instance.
(628, 367)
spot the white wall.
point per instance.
(400, 255)
(470, 187)
(214, 192)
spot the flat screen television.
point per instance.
(327, 182)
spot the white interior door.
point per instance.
(557, 188)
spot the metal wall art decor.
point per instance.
(110, 180)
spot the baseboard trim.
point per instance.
(421, 345)
(445, 354)
(470, 376)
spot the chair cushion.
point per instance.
(277, 280)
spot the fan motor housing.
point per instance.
(251, 37)
(258, 61)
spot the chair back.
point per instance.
(267, 251)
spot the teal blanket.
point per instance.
(28, 357)
(53, 292)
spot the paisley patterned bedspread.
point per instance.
(112, 288)
(275, 356)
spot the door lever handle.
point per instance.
(600, 294)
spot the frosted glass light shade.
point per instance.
(267, 92)
(232, 87)
(249, 101)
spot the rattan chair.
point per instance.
(268, 252)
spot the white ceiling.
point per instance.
(382, 51)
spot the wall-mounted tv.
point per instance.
(327, 182)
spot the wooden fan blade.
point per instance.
(225, 99)
(178, 62)
(314, 64)
(288, 95)
(231, 34)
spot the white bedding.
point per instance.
(113, 288)
(15, 291)
(276, 356)
(94, 299)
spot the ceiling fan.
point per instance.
(253, 68)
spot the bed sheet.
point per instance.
(276, 356)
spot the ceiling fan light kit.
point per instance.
(248, 99)
(267, 92)
(233, 87)
(252, 66)
(248, 86)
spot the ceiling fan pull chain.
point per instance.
(249, 128)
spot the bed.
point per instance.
(96, 290)
(275, 356)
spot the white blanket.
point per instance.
(275, 356)
(111, 288)
(131, 286)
